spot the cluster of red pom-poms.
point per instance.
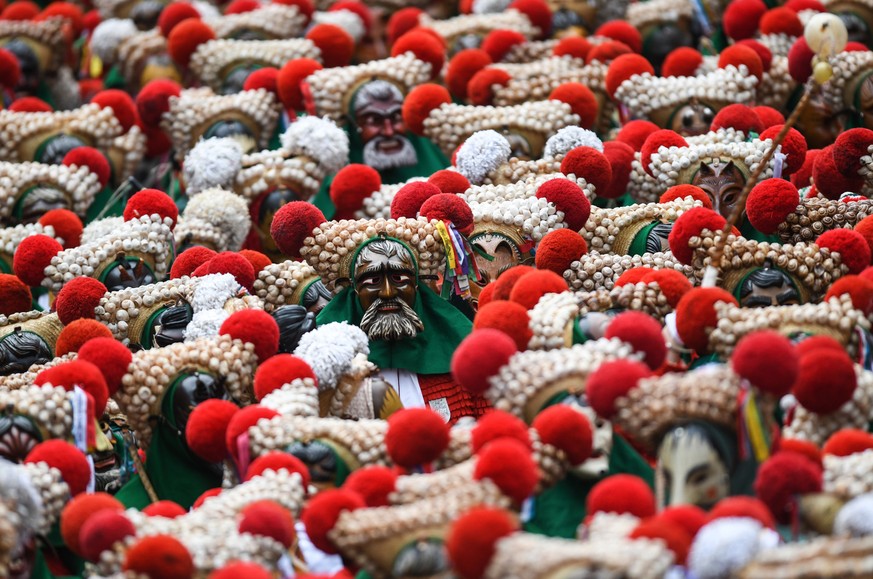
(691, 224)
(151, 202)
(279, 370)
(613, 380)
(254, 327)
(566, 195)
(509, 317)
(207, 427)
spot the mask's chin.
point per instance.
(593, 468)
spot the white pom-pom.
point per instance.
(212, 163)
(723, 547)
(213, 291)
(345, 19)
(108, 35)
(568, 138)
(205, 324)
(319, 139)
(330, 349)
(489, 6)
(228, 212)
(856, 517)
(481, 154)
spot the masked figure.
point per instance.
(377, 110)
(692, 469)
(723, 184)
(768, 287)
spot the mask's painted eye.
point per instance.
(369, 281)
(127, 273)
(400, 278)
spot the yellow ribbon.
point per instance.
(447, 242)
(754, 426)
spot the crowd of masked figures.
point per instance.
(486, 289)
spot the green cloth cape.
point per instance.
(174, 471)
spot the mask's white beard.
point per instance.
(379, 325)
(405, 157)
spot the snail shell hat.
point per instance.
(451, 29)
(45, 325)
(285, 283)
(594, 270)
(135, 51)
(79, 185)
(269, 22)
(48, 35)
(34, 403)
(851, 69)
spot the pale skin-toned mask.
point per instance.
(690, 470)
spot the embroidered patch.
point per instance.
(441, 407)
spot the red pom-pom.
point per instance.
(743, 507)
(633, 275)
(289, 79)
(682, 61)
(829, 180)
(122, 106)
(160, 557)
(499, 42)
(581, 100)
(567, 429)
(322, 513)
(77, 512)
(497, 424)
(78, 298)
(848, 441)
(762, 51)
(672, 283)
(65, 457)
(450, 208)
(173, 14)
(165, 509)
(463, 67)
(240, 423)
(800, 61)
(508, 317)
(623, 68)
(738, 117)
(351, 186)
(416, 436)
(622, 31)
(278, 461)
(643, 333)
(538, 12)
(420, 102)
(851, 245)
(79, 373)
(411, 197)
(573, 46)
(449, 181)
(184, 39)
(14, 295)
(157, 141)
(71, 13)
(373, 483)
(689, 517)
(802, 447)
(768, 360)
(30, 104)
(207, 427)
(110, 356)
(10, 70)
(740, 18)
(32, 256)
(189, 260)
(865, 228)
(793, 146)
(480, 356)
(507, 279)
(239, 569)
(77, 332)
(611, 381)
(236, 265)
(620, 157)
(257, 259)
(279, 370)
(91, 158)
(683, 191)
(858, 288)
(620, 494)
(566, 195)
(206, 494)
(675, 536)
(292, 224)
(20, 10)
(696, 317)
(819, 342)
(770, 202)
(154, 100)
(472, 540)
(533, 286)
(264, 78)
(690, 224)
(151, 202)
(635, 133)
(241, 7)
(656, 140)
(255, 327)
(803, 176)
(559, 249)
(770, 117)
(781, 20)
(509, 465)
(485, 295)
(424, 46)
(737, 55)
(608, 51)
(480, 89)
(334, 43)
(801, 5)
(304, 7)
(402, 22)
(849, 147)
(268, 519)
(101, 531)
(826, 381)
(784, 476)
(66, 224)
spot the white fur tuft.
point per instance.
(345, 19)
(481, 154)
(212, 163)
(568, 138)
(723, 547)
(330, 349)
(108, 35)
(319, 139)
(856, 517)
(227, 211)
